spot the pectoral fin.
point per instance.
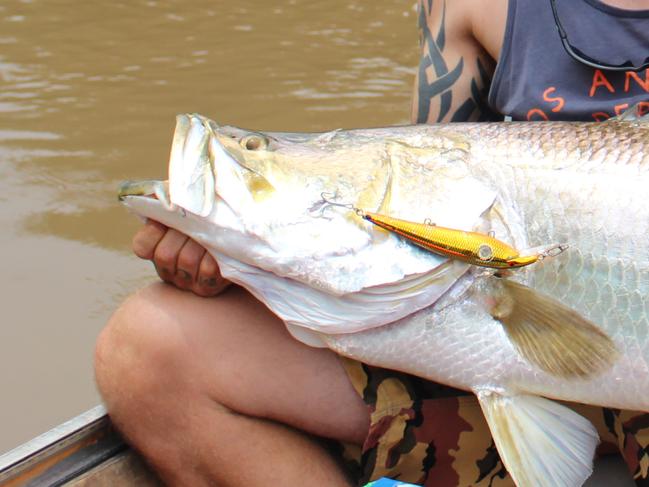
(540, 442)
(552, 336)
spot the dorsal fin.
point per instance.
(636, 113)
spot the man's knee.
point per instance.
(165, 350)
(145, 373)
(140, 348)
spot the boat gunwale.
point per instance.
(63, 452)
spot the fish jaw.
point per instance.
(150, 200)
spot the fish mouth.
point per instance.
(191, 185)
(205, 180)
(153, 189)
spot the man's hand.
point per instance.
(178, 259)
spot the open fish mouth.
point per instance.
(153, 189)
(192, 181)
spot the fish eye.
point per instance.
(254, 142)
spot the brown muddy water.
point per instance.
(88, 96)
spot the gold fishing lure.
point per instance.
(472, 247)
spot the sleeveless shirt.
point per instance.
(536, 79)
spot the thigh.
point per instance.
(238, 353)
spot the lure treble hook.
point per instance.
(328, 199)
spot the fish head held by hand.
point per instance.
(255, 201)
(275, 184)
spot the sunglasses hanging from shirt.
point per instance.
(583, 58)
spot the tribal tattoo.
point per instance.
(441, 86)
(444, 79)
(477, 101)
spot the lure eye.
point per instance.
(254, 142)
(485, 252)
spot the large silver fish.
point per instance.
(572, 327)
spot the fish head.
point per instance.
(258, 198)
(260, 202)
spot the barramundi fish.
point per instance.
(278, 212)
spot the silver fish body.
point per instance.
(560, 184)
(254, 200)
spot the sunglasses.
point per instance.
(578, 55)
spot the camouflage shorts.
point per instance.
(428, 434)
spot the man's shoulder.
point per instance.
(481, 22)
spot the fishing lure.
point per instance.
(475, 248)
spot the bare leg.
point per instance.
(215, 392)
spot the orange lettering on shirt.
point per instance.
(641, 108)
(620, 108)
(601, 116)
(600, 80)
(558, 99)
(538, 112)
(644, 84)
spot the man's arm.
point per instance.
(455, 70)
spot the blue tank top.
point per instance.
(535, 79)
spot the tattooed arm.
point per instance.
(455, 69)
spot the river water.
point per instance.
(88, 97)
